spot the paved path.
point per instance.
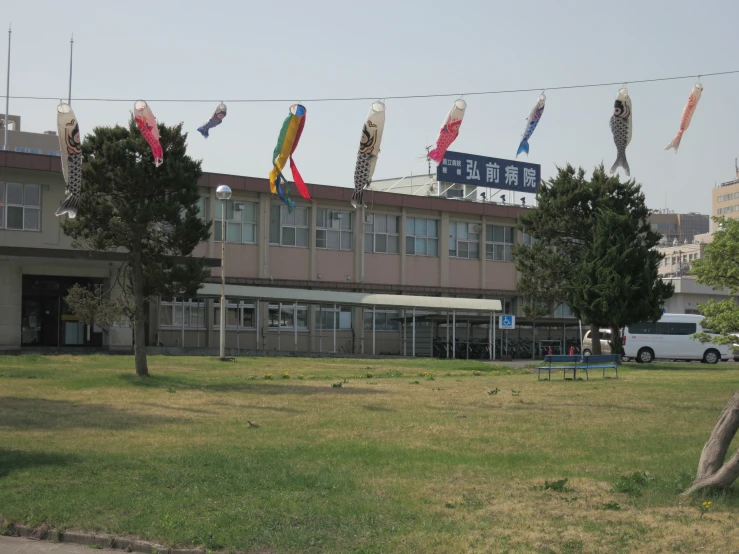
(15, 545)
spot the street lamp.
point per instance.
(223, 193)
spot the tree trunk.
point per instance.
(712, 471)
(142, 368)
(534, 353)
(595, 339)
(617, 346)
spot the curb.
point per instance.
(89, 539)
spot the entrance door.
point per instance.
(40, 321)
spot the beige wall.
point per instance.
(720, 208)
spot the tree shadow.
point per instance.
(176, 382)
(15, 460)
(42, 413)
(378, 409)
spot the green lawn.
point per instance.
(403, 456)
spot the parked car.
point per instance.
(605, 344)
(671, 338)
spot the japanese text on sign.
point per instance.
(469, 169)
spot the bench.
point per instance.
(579, 363)
(571, 361)
(603, 361)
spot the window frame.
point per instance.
(494, 245)
(328, 310)
(191, 305)
(280, 308)
(241, 306)
(415, 238)
(373, 233)
(323, 228)
(231, 222)
(6, 205)
(383, 315)
(282, 221)
(454, 236)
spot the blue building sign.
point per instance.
(468, 169)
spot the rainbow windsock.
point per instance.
(287, 142)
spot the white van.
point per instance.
(669, 338)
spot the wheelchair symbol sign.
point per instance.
(507, 322)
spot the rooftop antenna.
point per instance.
(428, 151)
(7, 92)
(736, 166)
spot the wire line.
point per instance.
(384, 97)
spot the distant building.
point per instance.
(680, 227)
(28, 143)
(725, 200)
(679, 256)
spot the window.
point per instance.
(662, 328)
(499, 243)
(171, 312)
(55, 153)
(381, 233)
(385, 320)
(692, 311)
(26, 150)
(283, 316)
(288, 229)
(421, 236)
(325, 317)
(20, 207)
(563, 310)
(334, 229)
(528, 240)
(643, 328)
(241, 221)
(464, 240)
(240, 314)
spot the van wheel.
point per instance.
(711, 356)
(586, 352)
(645, 356)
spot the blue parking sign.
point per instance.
(507, 322)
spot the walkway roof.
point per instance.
(308, 296)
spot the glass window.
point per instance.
(464, 240)
(643, 328)
(334, 229)
(324, 317)
(421, 237)
(381, 233)
(172, 311)
(241, 221)
(499, 243)
(20, 207)
(240, 314)
(289, 229)
(283, 316)
(385, 320)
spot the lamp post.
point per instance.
(223, 193)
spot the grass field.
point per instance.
(363, 455)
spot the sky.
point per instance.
(301, 51)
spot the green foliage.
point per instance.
(148, 213)
(633, 484)
(556, 486)
(94, 307)
(719, 268)
(594, 250)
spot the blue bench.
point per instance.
(579, 363)
(603, 361)
(571, 361)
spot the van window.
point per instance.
(643, 328)
(662, 328)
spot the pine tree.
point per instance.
(149, 213)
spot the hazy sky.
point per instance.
(297, 51)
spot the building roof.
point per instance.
(212, 290)
(36, 162)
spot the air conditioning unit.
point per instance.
(238, 206)
(368, 218)
(474, 227)
(339, 215)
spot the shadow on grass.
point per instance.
(378, 409)
(682, 366)
(259, 387)
(15, 460)
(41, 413)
